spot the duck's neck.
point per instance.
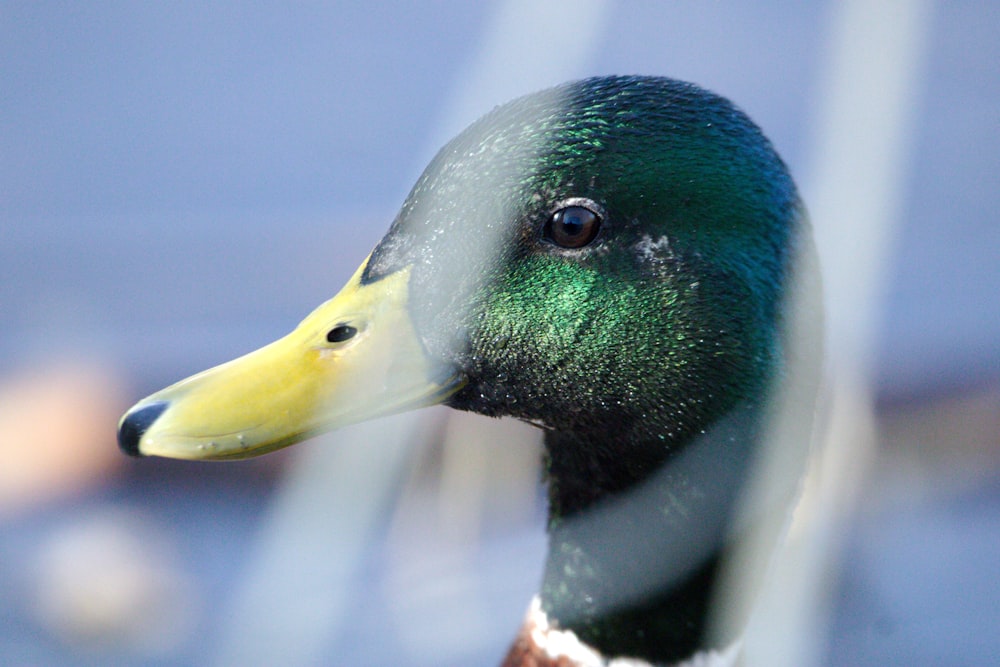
(638, 529)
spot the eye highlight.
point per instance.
(573, 226)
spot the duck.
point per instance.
(621, 261)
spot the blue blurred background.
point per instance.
(180, 183)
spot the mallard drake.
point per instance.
(610, 260)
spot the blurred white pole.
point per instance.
(863, 135)
(527, 45)
(293, 601)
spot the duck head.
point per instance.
(608, 260)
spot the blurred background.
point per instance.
(181, 183)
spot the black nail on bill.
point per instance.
(135, 424)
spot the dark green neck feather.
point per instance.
(648, 355)
(636, 542)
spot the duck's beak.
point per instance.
(355, 357)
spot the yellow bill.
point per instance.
(355, 357)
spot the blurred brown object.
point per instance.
(57, 426)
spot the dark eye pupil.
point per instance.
(572, 224)
(340, 333)
(573, 227)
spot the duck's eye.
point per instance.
(340, 333)
(573, 227)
